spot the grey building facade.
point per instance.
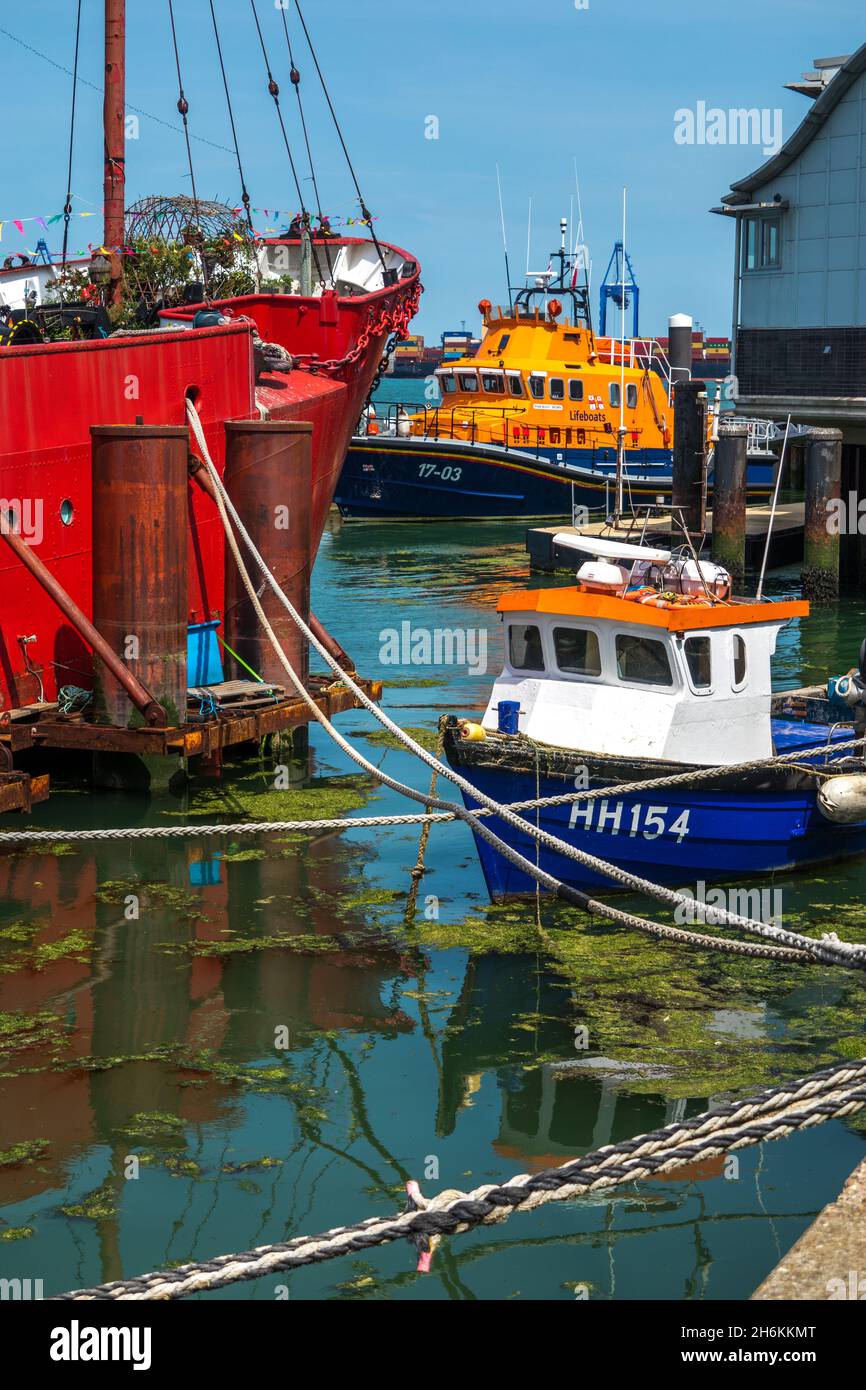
(800, 261)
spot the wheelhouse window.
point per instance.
(699, 662)
(762, 243)
(577, 651)
(448, 383)
(468, 381)
(575, 389)
(613, 393)
(536, 386)
(631, 395)
(739, 661)
(493, 383)
(557, 388)
(642, 660)
(524, 648)
(515, 385)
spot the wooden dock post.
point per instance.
(689, 491)
(729, 498)
(823, 486)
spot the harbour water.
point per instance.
(262, 1025)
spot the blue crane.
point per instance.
(619, 285)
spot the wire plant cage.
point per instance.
(173, 244)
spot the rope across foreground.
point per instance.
(773, 1113)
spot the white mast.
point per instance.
(620, 443)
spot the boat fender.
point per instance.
(470, 732)
(843, 799)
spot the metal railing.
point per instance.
(474, 427)
(644, 353)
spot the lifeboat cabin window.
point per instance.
(524, 648)
(631, 395)
(515, 385)
(613, 393)
(642, 660)
(697, 650)
(493, 383)
(577, 651)
(448, 382)
(739, 662)
(557, 388)
(468, 381)
(536, 386)
(575, 390)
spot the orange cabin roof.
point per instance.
(576, 603)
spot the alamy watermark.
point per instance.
(713, 125)
(24, 517)
(710, 905)
(437, 646)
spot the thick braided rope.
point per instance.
(772, 1113)
(166, 832)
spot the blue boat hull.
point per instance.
(388, 477)
(674, 837)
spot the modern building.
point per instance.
(799, 317)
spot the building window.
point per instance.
(524, 648)
(643, 660)
(577, 651)
(557, 388)
(762, 243)
(575, 390)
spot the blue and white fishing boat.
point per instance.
(649, 668)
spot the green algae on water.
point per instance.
(18, 1233)
(19, 1031)
(28, 1151)
(428, 738)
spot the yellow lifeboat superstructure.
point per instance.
(541, 382)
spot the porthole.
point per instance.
(67, 512)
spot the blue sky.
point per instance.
(530, 86)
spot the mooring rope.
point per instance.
(772, 1113)
(828, 949)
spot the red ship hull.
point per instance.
(51, 394)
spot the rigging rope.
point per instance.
(365, 212)
(773, 1113)
(274, 89)
(245, 197)
(296, 83)
(183, 108)
(67, 207)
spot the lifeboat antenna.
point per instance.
(114, 129)
(504, 242)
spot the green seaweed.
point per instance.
(98, 1205)
(19, 1031)
(428, 738)
(18, 1233)
(28, 1151)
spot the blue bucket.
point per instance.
(509, 711)
(204, 663)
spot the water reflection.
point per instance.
(269, 1086)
